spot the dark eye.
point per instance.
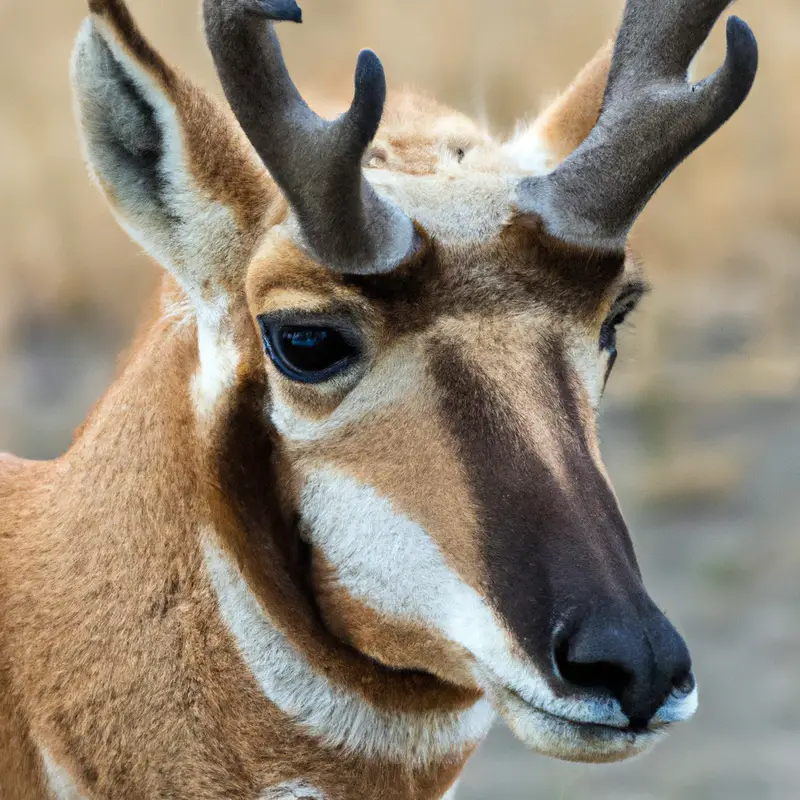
(309, 353)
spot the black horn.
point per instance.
(651, 120)
(316, 163)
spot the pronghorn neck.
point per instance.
(211, 608)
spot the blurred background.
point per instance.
(701, 427)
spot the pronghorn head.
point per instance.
(422, 321)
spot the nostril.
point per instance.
(639, 663)
(604, 676)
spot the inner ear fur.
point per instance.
(566, 121)
(174, 165)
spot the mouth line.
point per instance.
(626, 731)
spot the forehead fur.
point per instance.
(445, 170)
(457, 182)
(519, 270)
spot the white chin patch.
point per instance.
(583, 741)
(570, 741)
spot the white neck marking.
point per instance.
(338, 717)
(58, 780)
(295, 790)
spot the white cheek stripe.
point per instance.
(339, 718)
(388, 562)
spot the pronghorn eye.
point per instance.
(309, 353)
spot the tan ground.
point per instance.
(702, 430)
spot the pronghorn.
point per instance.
(344, 503)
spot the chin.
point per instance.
(567, 740)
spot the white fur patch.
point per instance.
(460, 204)
(218, 357)
(388, 562)
(338, 717)
(527, 152)
(295, 790)
(59, 783)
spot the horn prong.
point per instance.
(651, 120)
(316, 163)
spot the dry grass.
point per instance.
(731, 214)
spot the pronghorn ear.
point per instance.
(175, 167)
(563, 125)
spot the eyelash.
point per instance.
(608, 333)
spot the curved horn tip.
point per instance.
(276, 10)
(370, 75)
(742, 44)
(741, 62)
(370, 94)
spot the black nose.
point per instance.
(635, 656)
